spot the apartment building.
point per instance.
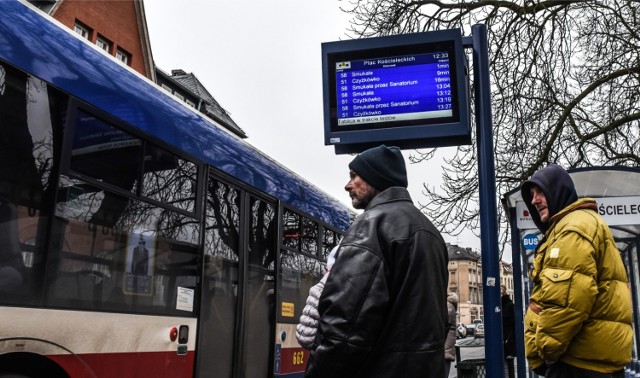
(465, 279)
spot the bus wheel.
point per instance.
(29, 365)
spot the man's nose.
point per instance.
(348, 186)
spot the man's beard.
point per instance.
(362, 201)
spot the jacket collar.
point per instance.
(392, 194)
(582, 203)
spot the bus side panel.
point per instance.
(118, 365)
(92, 344)
(290, 358)
(293, 361)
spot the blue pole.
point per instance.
(494, 355)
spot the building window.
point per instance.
(190, 103)
(179, 95)
(123, 56)
(167, 88)
(104, 44)
(84, 31)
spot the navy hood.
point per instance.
(558, 188)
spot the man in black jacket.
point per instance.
(508, 329)
(383, 310)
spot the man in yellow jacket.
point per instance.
(579, 319)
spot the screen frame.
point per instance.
(426, 132)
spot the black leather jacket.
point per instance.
(383, 311)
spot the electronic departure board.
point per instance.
(400, 88)
(407, 90)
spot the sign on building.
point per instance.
(616, 211)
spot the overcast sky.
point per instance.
(262, 62)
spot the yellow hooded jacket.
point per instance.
(581, 311)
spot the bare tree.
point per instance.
(565, 88)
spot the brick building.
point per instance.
(120, 29)
(117, 27)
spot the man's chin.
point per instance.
(357, 204)
(544, 218)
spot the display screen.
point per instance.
(410, 90)
(399, 88)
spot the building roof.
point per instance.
(460, 253)
(44, 5)
(506, 267)
(209, 106)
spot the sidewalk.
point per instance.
(471, 349)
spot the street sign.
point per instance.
(530, 241)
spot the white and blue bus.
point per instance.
(137, 237)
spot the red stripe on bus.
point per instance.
(118, 365)
(293, 360)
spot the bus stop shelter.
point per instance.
(617, 193)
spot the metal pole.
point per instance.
(494, 355)
(634, 270)
(518, 297)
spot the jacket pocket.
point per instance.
(530, 328)
(556, 284)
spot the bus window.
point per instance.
(169, 179)
(12, 266)
(31, 114)
(299, 273)
(135, 257)
(292, 232)
(330, 240)
(105, 152)
(309, 236)
(300, 233)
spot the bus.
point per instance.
(137, 237)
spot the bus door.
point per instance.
(235, 337)
(301, 267)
